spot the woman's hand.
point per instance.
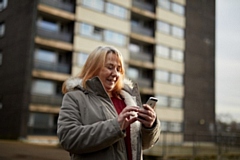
(146, 116)
(127, 116)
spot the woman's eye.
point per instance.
(110, 67)
(119, 69)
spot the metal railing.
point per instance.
(59, 4)
(141, 56)
(143, 82)
(61, 36)
(219, 146)
(144, 5)
(142, 30)
(54, 100)
(62, 68)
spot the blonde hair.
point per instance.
(95, 62)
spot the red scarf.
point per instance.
(119, 106)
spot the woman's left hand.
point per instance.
(146, 116)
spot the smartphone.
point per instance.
(152, 102)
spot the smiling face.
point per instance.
(110, 72)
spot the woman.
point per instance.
(99, 117)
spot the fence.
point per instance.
(219, 146)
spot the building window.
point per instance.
(100, 34)
(177, 8)
(3, 4)
(170, 29)
(81, 59)
(175, 102)
(109, 8)
(162, 101)
(42, 124)
(133, 73)
(166, 52)
(52, 60)
(162, 76)
(175, 127)
(171, 126)
(176, 78)
(94, 4)
(2, 29)
(165, 76)
(44, 87)
(174, 7)
(134, 48)
(166, 101)
(164, 126)
(177, 55)
(91, 31)
(48, 25)
(142, 76)
(115, 38)
(116, 10)
(45, 56)
(164, 4)
(177, 32)
(162, 51)
(163, 27)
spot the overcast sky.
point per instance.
(228, 58)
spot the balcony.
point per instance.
(144, 5)
(43, 131)
(59, 4)
(144, 82)
(141, 30)
(55, 100)
(61, 36)
(141, 56)
(62, 68)
(143, 76)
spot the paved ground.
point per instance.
(16, 150)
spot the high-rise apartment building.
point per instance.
(168, 47)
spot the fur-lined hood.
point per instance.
(75, 82)
(130, 88)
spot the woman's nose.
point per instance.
(114, 72)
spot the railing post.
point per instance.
(194, 146)
(164, 145)
(219, 139)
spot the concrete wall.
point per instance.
(19, 19)
(199, 102)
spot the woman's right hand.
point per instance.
(127, 116)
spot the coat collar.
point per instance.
(94, 85)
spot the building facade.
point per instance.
(168, 48)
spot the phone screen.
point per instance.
(152, 101)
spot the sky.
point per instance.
(228, 60)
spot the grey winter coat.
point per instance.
(88, 126)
